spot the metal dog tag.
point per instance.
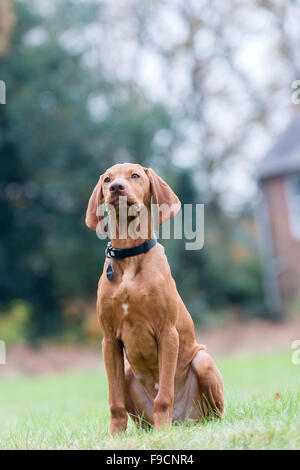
(109, 272)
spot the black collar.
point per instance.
(112, 252)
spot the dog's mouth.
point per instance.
(121, 202)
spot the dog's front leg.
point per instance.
(114, 364)
(168, 344)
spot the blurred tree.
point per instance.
(224, 69)
(7, 23)
(225, 274)
(63, 124)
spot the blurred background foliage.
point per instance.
(69, 117)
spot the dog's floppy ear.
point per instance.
(94, 211)
(163, 196)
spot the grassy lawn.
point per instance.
(70, 411)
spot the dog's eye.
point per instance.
(107, 180)
(135, 175)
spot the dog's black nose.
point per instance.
(117, 186)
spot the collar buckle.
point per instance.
(109, 251)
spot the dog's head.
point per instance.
(131, 185)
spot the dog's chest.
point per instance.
(138, 298)
(128, 313)
(121, 298)
(128, 305)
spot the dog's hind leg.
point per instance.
(209, 396)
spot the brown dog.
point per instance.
(164, 374)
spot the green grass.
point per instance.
(70, 411)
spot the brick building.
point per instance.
(279, 219)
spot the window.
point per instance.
(293, 200)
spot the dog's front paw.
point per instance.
(118, 425)
(162, 415)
